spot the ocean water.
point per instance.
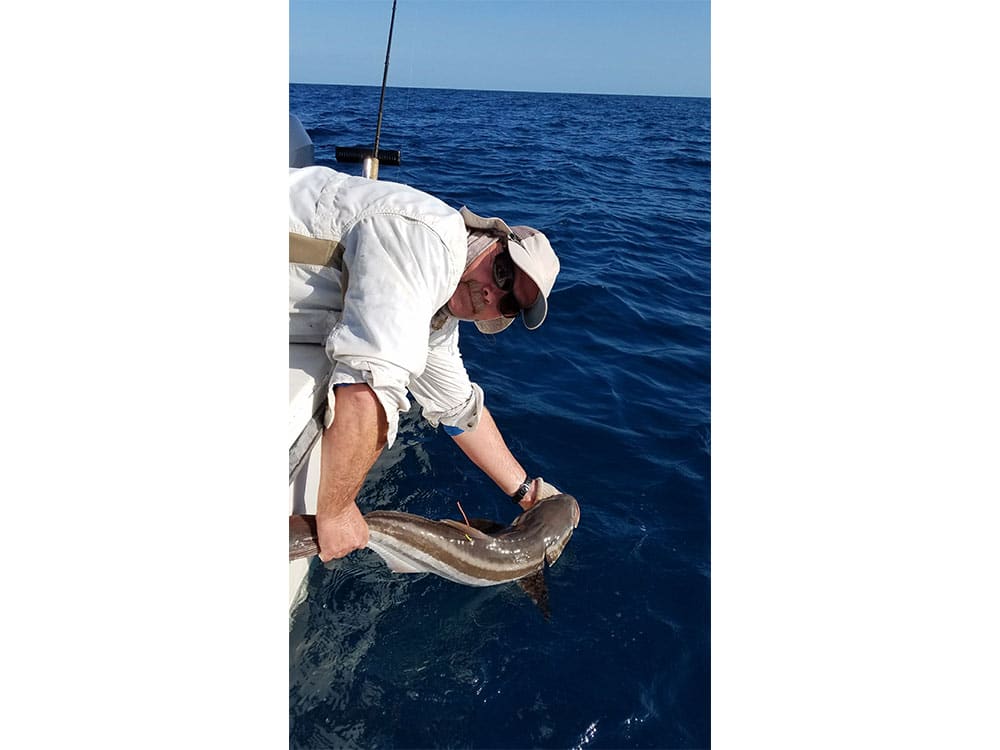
(609, 401)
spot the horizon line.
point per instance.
(502, 91)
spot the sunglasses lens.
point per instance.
(503, 272)
(503, 276)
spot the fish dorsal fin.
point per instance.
(469, 531)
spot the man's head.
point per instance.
(509, 271)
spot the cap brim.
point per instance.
(534, 316)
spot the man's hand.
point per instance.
(341, 534)
(540, 489)
(350, 446)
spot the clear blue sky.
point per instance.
(652, 47)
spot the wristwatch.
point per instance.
(522, 490)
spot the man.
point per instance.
(381, 274)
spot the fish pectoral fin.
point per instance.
(470, 531)
(536, 588)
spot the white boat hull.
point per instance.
(308, 372)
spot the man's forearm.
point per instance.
(487, 449)
(350, 446)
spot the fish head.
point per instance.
(559, 516)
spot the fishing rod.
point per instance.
(370, 158)
(370, 168)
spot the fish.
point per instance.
(477, 553)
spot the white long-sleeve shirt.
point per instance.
(370, 263)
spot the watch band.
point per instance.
(522, 490)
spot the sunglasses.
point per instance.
(503, 277)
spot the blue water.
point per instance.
(609, 401)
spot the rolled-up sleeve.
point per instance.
(443, 390)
